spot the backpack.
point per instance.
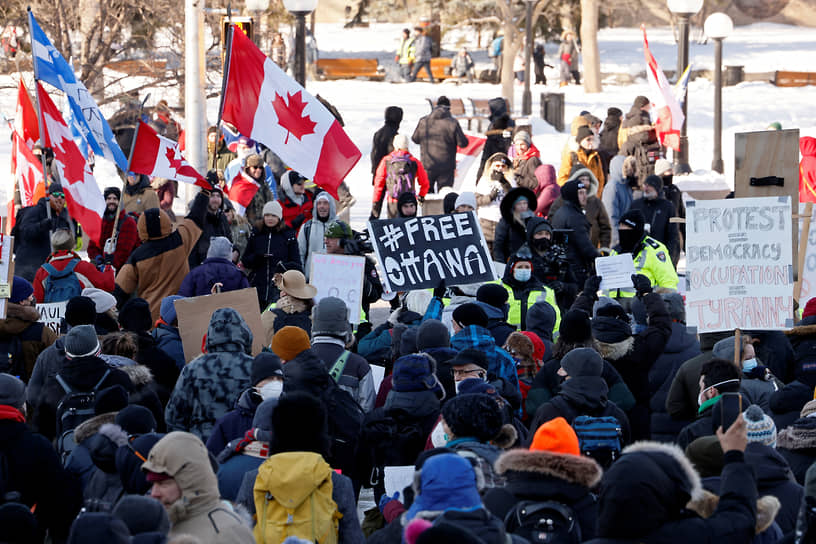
(75, 407)
(390, 441)
(599, 438)
(61, 285)
(12, 359)
(345, 426)
(339, 366)
(315, 518)
(400, 175)
(546, 522)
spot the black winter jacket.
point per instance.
(264, 251)
(383, 142)
(774, 477)
(658, 212)
(214, 224)
(438, 135)
(580, 251)
(32, 242)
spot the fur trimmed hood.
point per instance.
(88, 428)
(796, 438)
(802, 330)
(767, 508)
(139, 374)
(506, 438)
(674, 451)
(617, 350)
(574, 469)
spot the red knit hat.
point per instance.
(539, 349)
(556, 436)
(810, 308)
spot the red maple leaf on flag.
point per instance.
(291, 116)
(175, 161)
(74, 163)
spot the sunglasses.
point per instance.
(58, 195)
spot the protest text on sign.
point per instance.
(418, 252)
(739, 264)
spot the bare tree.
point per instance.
(589, 46)
(513, 15)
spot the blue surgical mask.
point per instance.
(748, 365)
(522, 274)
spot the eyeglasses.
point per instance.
(461, 372)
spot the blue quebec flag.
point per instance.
(51, 67)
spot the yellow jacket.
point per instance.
(592, 161)
(653, 261)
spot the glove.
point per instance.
(556, 286)
(385, 499)
(641, 284)
(99, 260)
(592, 284)
(108, 259)
(439, 290)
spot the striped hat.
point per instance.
(761, 428)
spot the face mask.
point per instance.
(439, 437)
(541, 244)
(522, 274)
(700, 396)
(628, 240)
(271, 390)
(650, 195)
(632, 181)
(748, 365)
(497, 175)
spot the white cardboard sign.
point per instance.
(339, 276)
(615, 271)
(51, 314)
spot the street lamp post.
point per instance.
(684, 9)
(258, 7)
(527, 97)
(717, 27)
(300, 9)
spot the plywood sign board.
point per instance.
(194, 315)
(765, 154)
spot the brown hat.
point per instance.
(154, 224)
(254, 160)
(293, 282)
(289, 342)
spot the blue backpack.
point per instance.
(61, 285)
(599, 438)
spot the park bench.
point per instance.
(794, 79)
(349, 69)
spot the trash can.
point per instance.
(733, 75)
(552, 109)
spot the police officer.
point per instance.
(651, 257)
(524, 289)
(340, 240)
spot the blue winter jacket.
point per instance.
(617, 196)
(200, 280)
(168, 339)
(500, 363)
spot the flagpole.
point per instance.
(224, 79)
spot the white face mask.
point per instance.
(438, 436)
(700, 400)
(271, 390)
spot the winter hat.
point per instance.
(583, 132)
(81, 341)
(809, 409)
(254, 160)
(413, 373)
(470, 356)
(661, 167)
(654, 181)
(12, 391)
(62, 240)
(614, 112)
(55, 187)
(263, 418)
(112, 191)
(98, 527)
(135, 316)
(273, 207)
(760, 427)
(582, 362)
(432, 334)
(407, 341)
(289, 342)
(400, 141)
(443, 101)
(330, 317)
(472, 386)
(556, 436)
(724, 349)
(475, 416)
(136, 420)
(142, 514)
(220, 248)
(80, 310)
(21, 289)
(541, 320)
(444, 532)
(111, 400)
(449, 201)
(539, 349)
(468, 314)
(265, 365)
(641, 101)
(522, 136)
(103, 301)
(609, 307)
(706, 454)
(293, 282)
(167, 311)
(633, 219)
(466, 199)
(415, 528)
(129, 461)
(19, 524)
(675, 306)
(493, 294)
(299, 423)
(810, 308)
(575, 327)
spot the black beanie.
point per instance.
(492, 294)
(614, 112)
(265, 365)
(432, 334)
(142, 514)
(654, 181)
(112, 191)
(135, 316)
(470, 313)
(136, 420)
(469, 356)
(443, 101)
(449, 202)
(299, 423)
(475, 415)
(575, 327)
(80, 311)
(111, 399)
(634, 219)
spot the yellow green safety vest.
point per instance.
(654, 262)
(406, 51)
(546, 294)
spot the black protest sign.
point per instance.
(418, 252)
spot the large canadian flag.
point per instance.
(82, 194)
(157, 156)
(242, 191)
(669, 113)
(270, 107)
(27, 168)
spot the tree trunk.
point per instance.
(90, 31)
(589, 46)
(512, 41)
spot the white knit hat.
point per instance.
(273, 207)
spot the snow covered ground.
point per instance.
(746, 107)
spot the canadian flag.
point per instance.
(465, 157)
(25, 118)
(158, 156)
(27, 168)
(242, 191)
(82, 194)
(669, 113)
(265, 104)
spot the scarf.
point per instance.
(12, 413)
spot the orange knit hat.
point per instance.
(289, 342)
(556, 436)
